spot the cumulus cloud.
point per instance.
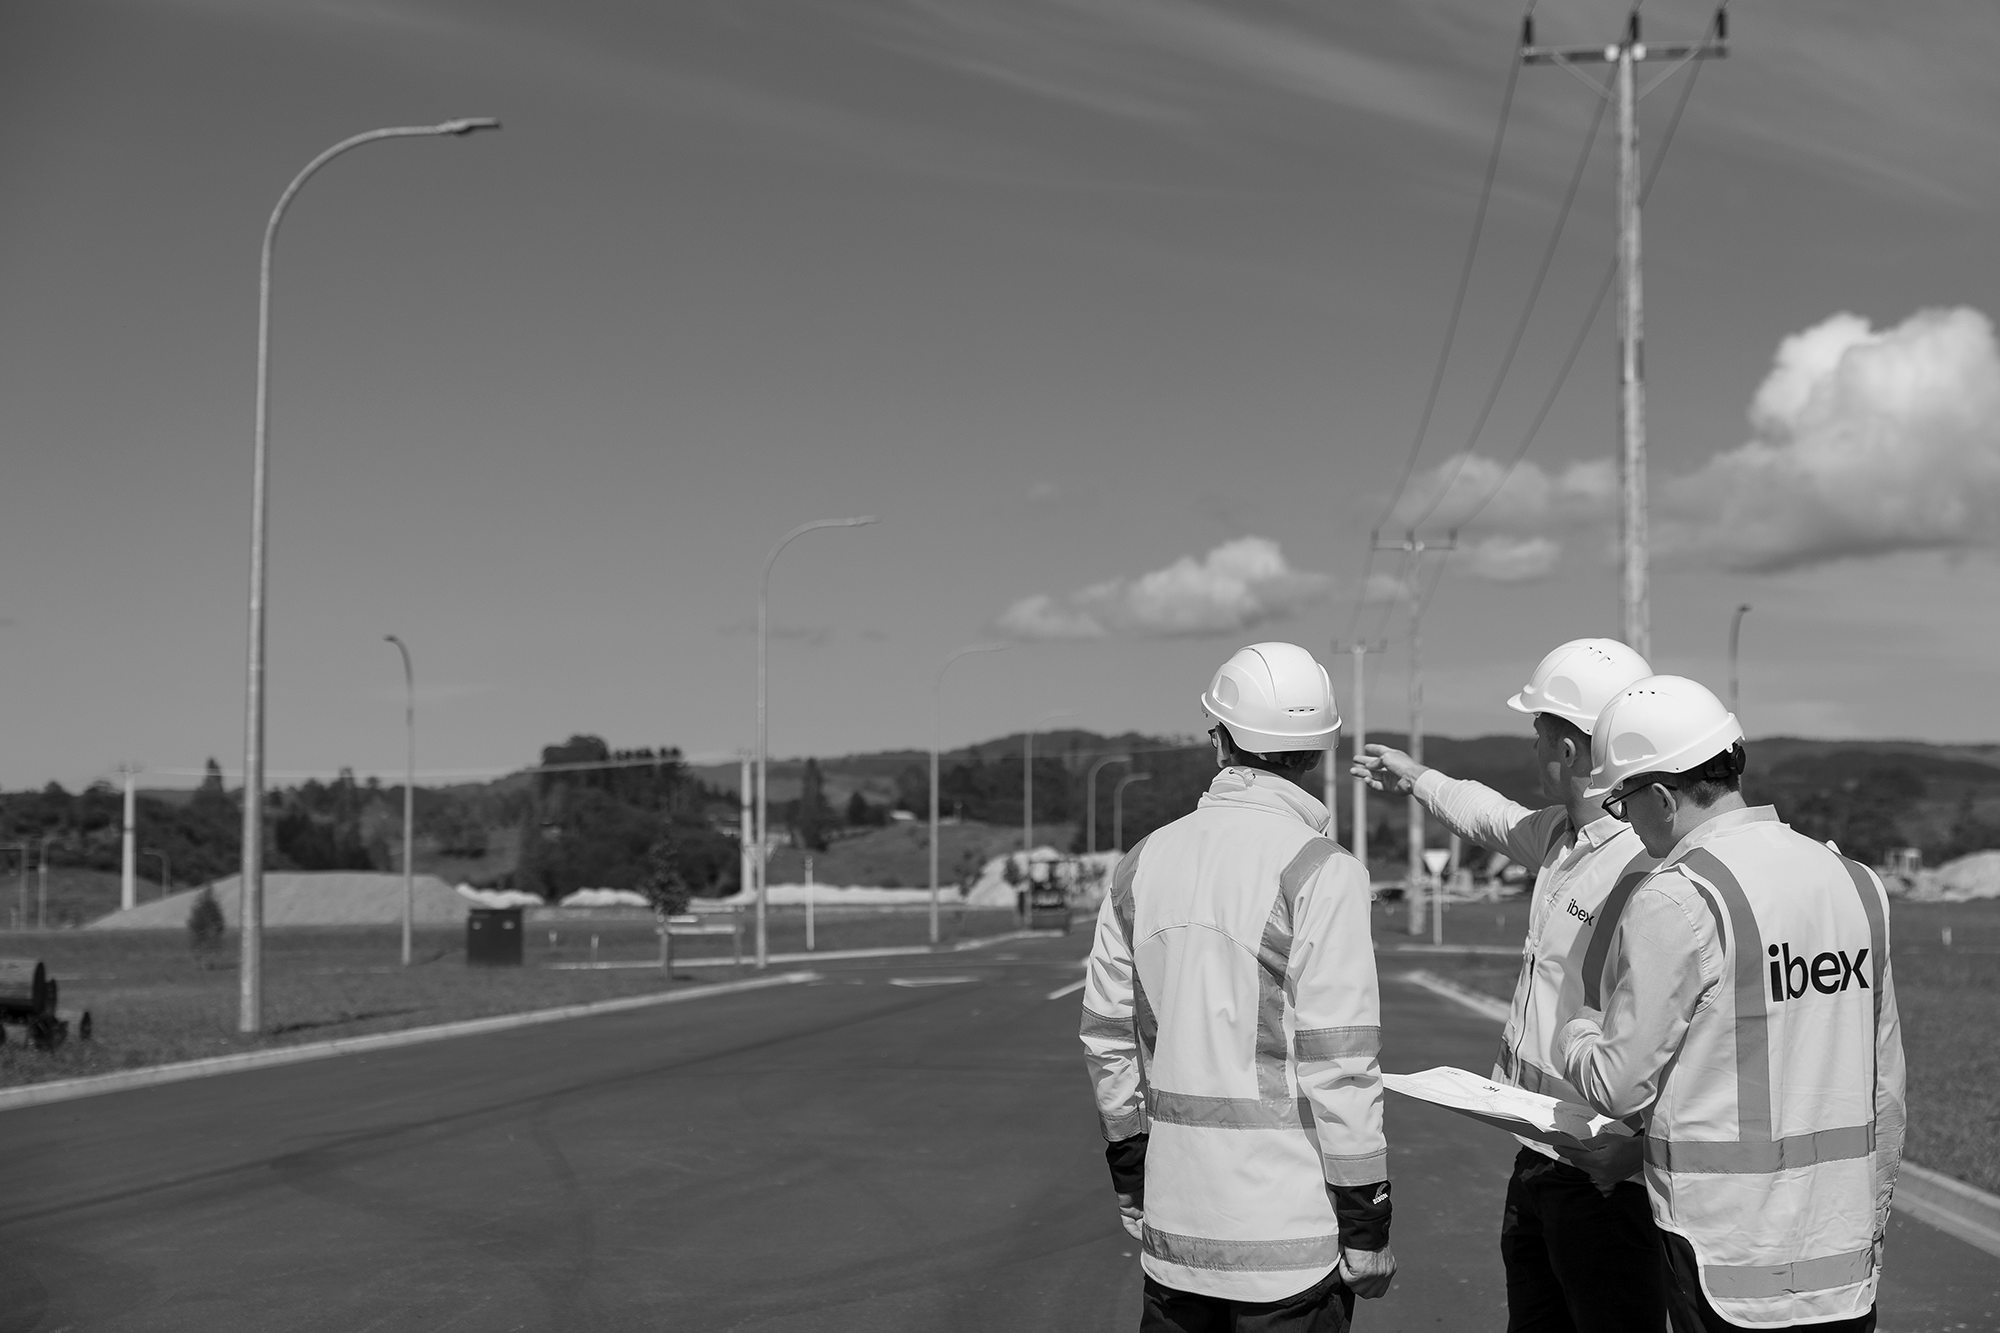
(1238, 585)
(1866, 442)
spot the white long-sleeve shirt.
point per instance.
(1579, 882)
(1230, 1010)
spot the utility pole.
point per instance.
(1626, 56)
(1413, 547)
(128, 887)
(1357, 732)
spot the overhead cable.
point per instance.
(1590, 319)
(1451, 331)
(1527, 313)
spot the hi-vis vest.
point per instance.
(1761, 1148)
(1230, 1008)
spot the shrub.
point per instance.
(205, 923)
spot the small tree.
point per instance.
(663, 885)
(205, 923)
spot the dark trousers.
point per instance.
(1324, 1307)
(1577, 1261)
(1693, 1313)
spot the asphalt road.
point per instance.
(852, 1155)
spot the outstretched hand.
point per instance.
(1386, 770)
(1367, 1273)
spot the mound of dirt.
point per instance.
(325, 898)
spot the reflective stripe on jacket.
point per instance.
(1581, 885)
(1230, 1009)
(1775, 1084)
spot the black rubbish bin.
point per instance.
(493, 937)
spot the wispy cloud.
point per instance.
(1171, 61)
(1236, 586)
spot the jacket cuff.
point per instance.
(1363, 1212)
(1127, 1160)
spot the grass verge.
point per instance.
(153, 1001)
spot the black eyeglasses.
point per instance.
(1615, 805)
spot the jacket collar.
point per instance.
(1602, 830)
(1258, 790)
(1721, 826)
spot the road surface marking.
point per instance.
(1070, 989)
(930, 981)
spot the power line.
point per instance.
(1596, 305)
(1451, 331)
(1527, 312)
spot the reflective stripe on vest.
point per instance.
(1753, 1282)
(1753, 1037)
(1762, 1158)
(1274, 956)
(1186, 1108)
(1122, 907)
(1629, 878)
(1310, 1044)
(1242, 1256)
(1878, 929)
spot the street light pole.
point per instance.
(1118, 808)
(409, 789)
(1090, 796)
(937, 693)
(763, 714)
(250, 1013)
(1735, 627)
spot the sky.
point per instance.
(1118, 314)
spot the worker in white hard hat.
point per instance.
(1577, 1236)
(1748, 1016)
(1231, 1027)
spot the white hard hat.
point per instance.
(1578, 679)
(1273, 698)
(1662, 724)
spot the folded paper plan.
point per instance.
(1529, 1114)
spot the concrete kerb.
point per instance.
(37, 1094)
(1931, 1197)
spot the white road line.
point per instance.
(1484, 1005)
(1070, 989)
(930, 981)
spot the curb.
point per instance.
(1952, 1206)
(822, 956)
(63, 1090)
(1928, 1196)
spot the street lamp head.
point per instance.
(468, 125)
(858, 522)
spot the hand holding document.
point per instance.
(1530, 1114)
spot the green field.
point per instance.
(152, 1000)
(1949, 999)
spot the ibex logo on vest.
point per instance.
(1829, 973)
(1579, 913)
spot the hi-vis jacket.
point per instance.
(1750, 1013)
(1582, 882)
(1230, 1010)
